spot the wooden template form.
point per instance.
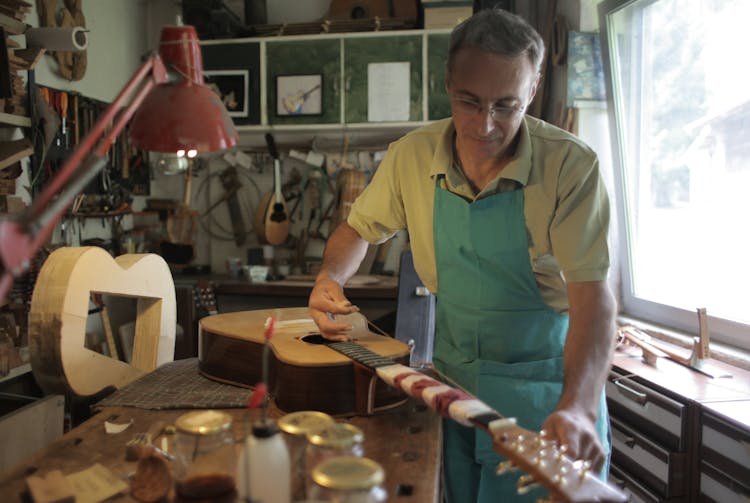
(59, 309)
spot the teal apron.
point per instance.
(495, 336)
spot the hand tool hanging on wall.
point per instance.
(231, 185)
(181, 227)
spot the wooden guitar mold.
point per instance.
(59, 309)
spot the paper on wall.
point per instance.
(388, 92)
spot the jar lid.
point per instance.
(348, 472)
(204, 422)
(304, 422)
(336, 436)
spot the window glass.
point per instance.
(680, 95)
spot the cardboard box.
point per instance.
(445, 13)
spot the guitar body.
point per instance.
(302, 375)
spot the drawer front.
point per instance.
(637, 492)
(715, 486)
(659, 469)
(725, 446)
(654, 414)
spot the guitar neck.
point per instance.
(566, 479)
(277, 178)
(361, 354)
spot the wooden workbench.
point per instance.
(405, 441)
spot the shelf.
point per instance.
(100, 214)
(326, 136)
(14, 120)
(13, 151)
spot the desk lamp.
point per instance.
(174, 114)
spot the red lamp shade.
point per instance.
(184, 115)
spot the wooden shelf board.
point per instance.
(13, 151)
(14, 120)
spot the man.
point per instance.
(507, 218)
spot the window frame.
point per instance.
(722, 330)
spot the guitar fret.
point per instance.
(486, 418)
(360, 354)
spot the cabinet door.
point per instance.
(360, 53)
(438, 104)
(290, 62)
(233, 70)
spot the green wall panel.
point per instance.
(361, 51)
(438, 106)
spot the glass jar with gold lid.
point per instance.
(348, 479)
(296, 426)
(205, 462)
(334, 440)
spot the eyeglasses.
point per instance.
(471, 106)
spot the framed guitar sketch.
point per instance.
(299, 95)
(232, 88)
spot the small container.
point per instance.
(335, 440)
(296, 426)
(205, 461)
(348, 479)
(264, 466)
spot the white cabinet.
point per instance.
(342, 61)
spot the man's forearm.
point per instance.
(343, 254)
(589, 345)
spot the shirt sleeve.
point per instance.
(580, 225)
(378, 212)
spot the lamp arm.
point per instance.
(23, 236)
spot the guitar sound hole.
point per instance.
(314, 339)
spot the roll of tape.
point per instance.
(73, 38)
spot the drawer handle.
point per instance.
(630, 442)
(634, 395)
(617, 481)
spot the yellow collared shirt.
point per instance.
(565, 202)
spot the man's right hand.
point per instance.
(327, 300)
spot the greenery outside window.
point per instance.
(679, 92)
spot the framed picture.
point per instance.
(231, 86)
(585, 71)
(299, 95)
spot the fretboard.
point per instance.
(360, 354)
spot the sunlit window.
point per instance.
(679, 88)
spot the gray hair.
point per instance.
(498, 31)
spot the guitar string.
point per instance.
(430, 367)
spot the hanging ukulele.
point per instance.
(271, 216)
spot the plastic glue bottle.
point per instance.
(264, 466)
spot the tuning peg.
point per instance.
(549, 499)
(505, 467)
(582, 466)
(525, 484)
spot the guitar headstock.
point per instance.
(566, 479)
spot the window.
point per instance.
(679, 90)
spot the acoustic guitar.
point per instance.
(271, 215)
(293, 103)
(304, 374)
(228, 338)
